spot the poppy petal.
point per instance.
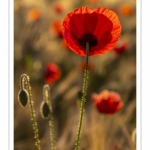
(100, 27)
(107, 102)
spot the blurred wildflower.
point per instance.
(125, 10)
(83, 65)
(100, 27)
(116, 147)
(34, 15)
(58, 8)
(52, 73)
(107, 102)
(120, 48)
(56, 26)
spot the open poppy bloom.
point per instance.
(52, 73)
(107, 102)
(34, 14)
(100, 27)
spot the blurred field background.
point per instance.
(36, 44)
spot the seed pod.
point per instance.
(23, 97)
(44, 110)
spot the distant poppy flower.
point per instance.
(100, 27)
(107, 102)
(52, 73)
(58, 8)
(34, 14)
(125, 10)
(57, 27)
(116, 147)
(120, 49)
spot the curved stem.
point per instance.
(84, 90)
(24, 81)
(46, 94)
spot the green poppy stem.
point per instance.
(84, 91)
(25, 84)
(46, 94)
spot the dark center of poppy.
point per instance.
(48, 73)
(88, 37)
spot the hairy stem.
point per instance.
(84, 90)
(26, 84)
(46, 93)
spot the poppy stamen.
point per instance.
(88, 37)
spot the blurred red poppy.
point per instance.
(34, 14)
(58, 8)
(126, 10)
(100, 27)
(120, 49)
(57, 27)
(52, 73)
(107, 102)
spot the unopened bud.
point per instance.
(45, 111)
(23, 97)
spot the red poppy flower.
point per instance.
(126, 9)
(52, 73)
(100, 27)
(34, 14)
(58, 8)
(120, 48)
(107, 102)
(57, 27)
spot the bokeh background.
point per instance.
(38, 41)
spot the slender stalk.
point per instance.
(26, 84)
(84, 90)
(46, 93)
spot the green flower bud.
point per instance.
(23, 97)
(44, 110)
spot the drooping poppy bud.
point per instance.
(44, 110)
(23, 97)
